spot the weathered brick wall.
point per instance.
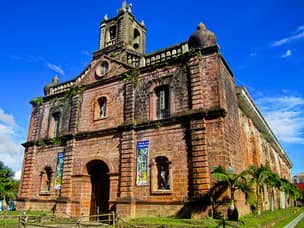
(89, 120)
(258, 150)
(173, 76)
(105, 148)
(210, 82)
(36, 159)
(168, 141)
(232, 143)
(45, 156)
(27, 169)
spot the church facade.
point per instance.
(140, 133)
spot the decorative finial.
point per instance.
(55, 79)
(142, 23)
(124, 5)
(47, 88)
(105, 18)
(129, 10)
(201, 26)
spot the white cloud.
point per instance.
(39, 60)
(286, 54)
(252, 54)
(299, 35)
(86, 53)
(285, 115)
(17, 175)
(300, 28)
(11, 151)
(6, 118)
(55, 68)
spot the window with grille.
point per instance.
(162, 102)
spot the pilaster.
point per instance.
(199, 157)
(126, 202)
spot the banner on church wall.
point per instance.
(142, 163)
(59, 171)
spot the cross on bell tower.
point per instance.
(123, 36)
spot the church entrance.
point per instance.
(98, 171)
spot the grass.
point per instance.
(300, 224)
(157, 221)
(279, 218)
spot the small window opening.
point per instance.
(112, 32)
(56, 119)
(162, 102)
(136, 34)
(102, 102)
(162, 164)
(45, 185)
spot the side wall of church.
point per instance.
(258, 151)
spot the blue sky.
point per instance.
(262, 41)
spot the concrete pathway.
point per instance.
(294, 222)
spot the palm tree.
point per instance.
(234, 182)
(259, 176)
(290, 190)
(274, 182)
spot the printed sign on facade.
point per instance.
(59, 171)
(142, 163)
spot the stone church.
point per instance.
(139, 133)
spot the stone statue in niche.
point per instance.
(103, 107)
(163, 177)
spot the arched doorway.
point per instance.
(98, 171)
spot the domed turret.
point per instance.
(201, 38)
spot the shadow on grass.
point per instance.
(210, 204)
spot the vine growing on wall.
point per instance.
(37, 101)
(74, 91)
(131, 76)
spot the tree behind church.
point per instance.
(8, 186)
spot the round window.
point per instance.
(104, 67)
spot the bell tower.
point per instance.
(122, 37)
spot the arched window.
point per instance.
(162, 102)
(163, 177)
(102, 103)
(45, 180)
(136, 34)
(56, 124)
(112, 32)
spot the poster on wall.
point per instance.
(59, 171)
(142, 163)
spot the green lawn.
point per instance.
(279, 218)
(300, 224)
